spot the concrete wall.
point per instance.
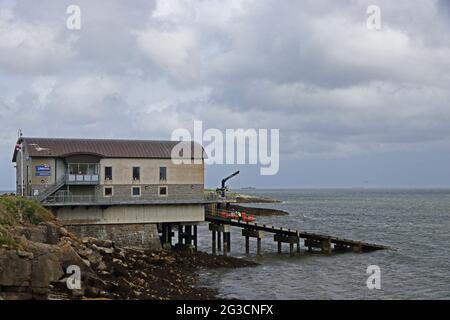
(60, 169)
(27, 173)
(182, 191)
(186, 179)
(82, 159)
(131, 214)
(149, 172)
(18, 174)
(35, 180)
(82, 190)
(132, 235)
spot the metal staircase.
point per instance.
(52, 189)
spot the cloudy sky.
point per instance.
(355, 107)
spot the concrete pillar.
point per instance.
(225, 244)
(279, 247)
(229, 241)
(291, 249)
(167, 232)
(167, 235)
(195, 237)
(164, 236)
(258, 246)
(213, 234)
(326, 246)
(188, 235)
(247, 233)
(298, 246)
(247, 244)
(219, 244)
(180, 234)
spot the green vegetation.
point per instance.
(15, 210)
(6, 237)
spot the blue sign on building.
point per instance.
(42, 171)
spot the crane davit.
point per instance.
(227, 214)
(223, 187)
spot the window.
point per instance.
(82, 169)
(73, 168)
(108, 191)
(163, 173)
(108, 173)
(136, 173)
(163, 191)
(136, 191)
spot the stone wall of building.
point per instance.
(176, 191)
(143, 236)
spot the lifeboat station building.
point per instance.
(128, 191)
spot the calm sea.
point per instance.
(415, 222)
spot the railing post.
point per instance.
(213, 235)
(219, 245)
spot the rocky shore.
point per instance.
(245, 198)
(38, 255)
(258, 211)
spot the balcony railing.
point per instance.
(90, 179)
(71, 199)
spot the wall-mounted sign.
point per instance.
(42, 170)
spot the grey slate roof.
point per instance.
(105, 148)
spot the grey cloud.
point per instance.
(309, 68)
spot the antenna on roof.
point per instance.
(19, 133)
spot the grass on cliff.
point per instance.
(16, 210)
(7, 238)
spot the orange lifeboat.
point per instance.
(247, 218)
(223, 214)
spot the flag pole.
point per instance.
(21, 164)
(21, 160)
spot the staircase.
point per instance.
(52, 189)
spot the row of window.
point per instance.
(136, 173)
(135, 191)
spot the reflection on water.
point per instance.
(415, 222)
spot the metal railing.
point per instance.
(90, 179)
(231, 196)
(68, 199)
(51, 189)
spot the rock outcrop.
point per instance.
(40, 260)
(258, 211)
